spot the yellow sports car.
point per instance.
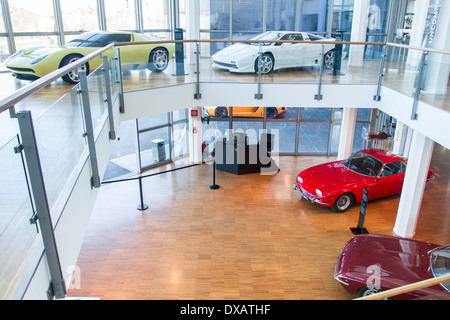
(33, 63)
(222, 112)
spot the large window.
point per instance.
(120, 15)
(80, 15)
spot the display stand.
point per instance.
(214, 185)
(362, 213)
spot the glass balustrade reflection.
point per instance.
(60, 142)
(17, 235)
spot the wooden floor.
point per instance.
(253, 238)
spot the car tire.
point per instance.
(271, 112)
(158, 60)
(366, 291)
(264, 64)
(72, 77)
(221, 112)
(343, 202)
(328, 59)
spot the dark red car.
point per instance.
(371, 263)
(339, 184)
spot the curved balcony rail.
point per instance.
(44, 152)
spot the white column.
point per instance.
(359, 29)
(347, 133)
(414, 185)
(195, 135)
(192, 28)
(401, 131)
(418, 26)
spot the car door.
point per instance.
(289, 54)
(389, 181)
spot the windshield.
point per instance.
(440, 263)
(364, 164)
(265, 36)
(95, 39)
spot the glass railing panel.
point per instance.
(435, 85)
(17, 235)
(97, 96)
(59, 134)
(151, 65)
(400, 69)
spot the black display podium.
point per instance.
(238, 157)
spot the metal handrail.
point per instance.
(407, 288)
(41, 83)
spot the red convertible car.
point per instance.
(372, 263)
(339, 184)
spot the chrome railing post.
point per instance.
(106, 70)
(29, 147)
(89, 134)
(419, 80)
(258, 95)
(197, 94)
(120, 81)
(377, 97)
(318, 96)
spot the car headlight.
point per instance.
(318, 193)
(40, 58)
(300, 180)
(18, 53)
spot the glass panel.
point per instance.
(59, 134)
(313, 137)
(154, 146)
(252, 129)
(35, 41)
(180, 140)
(179, 115)
(153, 121)
(97, 96)
(155, 14)
(80, 15)
(286, 138)
(280, 15)
(120, 15)
(358, 140)
(214, 131)
(32, 16)
(343, 15)
(313, 17)
(123, 160)
(363, 114)
(16, 233)
(247, 15)
(315, 114)
(287, 114)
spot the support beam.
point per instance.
(347, 133)
(359, 30)
(414, 185)
(401, 131)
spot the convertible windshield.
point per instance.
(364, 164)
(440, 263)
(265, 36)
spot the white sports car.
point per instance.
(244, 57)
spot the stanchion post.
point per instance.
(142, 205)
(214, 185)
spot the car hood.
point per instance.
(330, 175)
(399, 260)
(29, 54)
(235, 52)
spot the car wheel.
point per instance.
(328, 59)
(343, 202)
(158, 60)
(366, 291)
(72, 77)
(264, 63)
(271, 112)
(221, 112)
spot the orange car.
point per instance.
(222, 112)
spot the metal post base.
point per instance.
(142, 207)
(214, 186)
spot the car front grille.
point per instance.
(226, 65)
